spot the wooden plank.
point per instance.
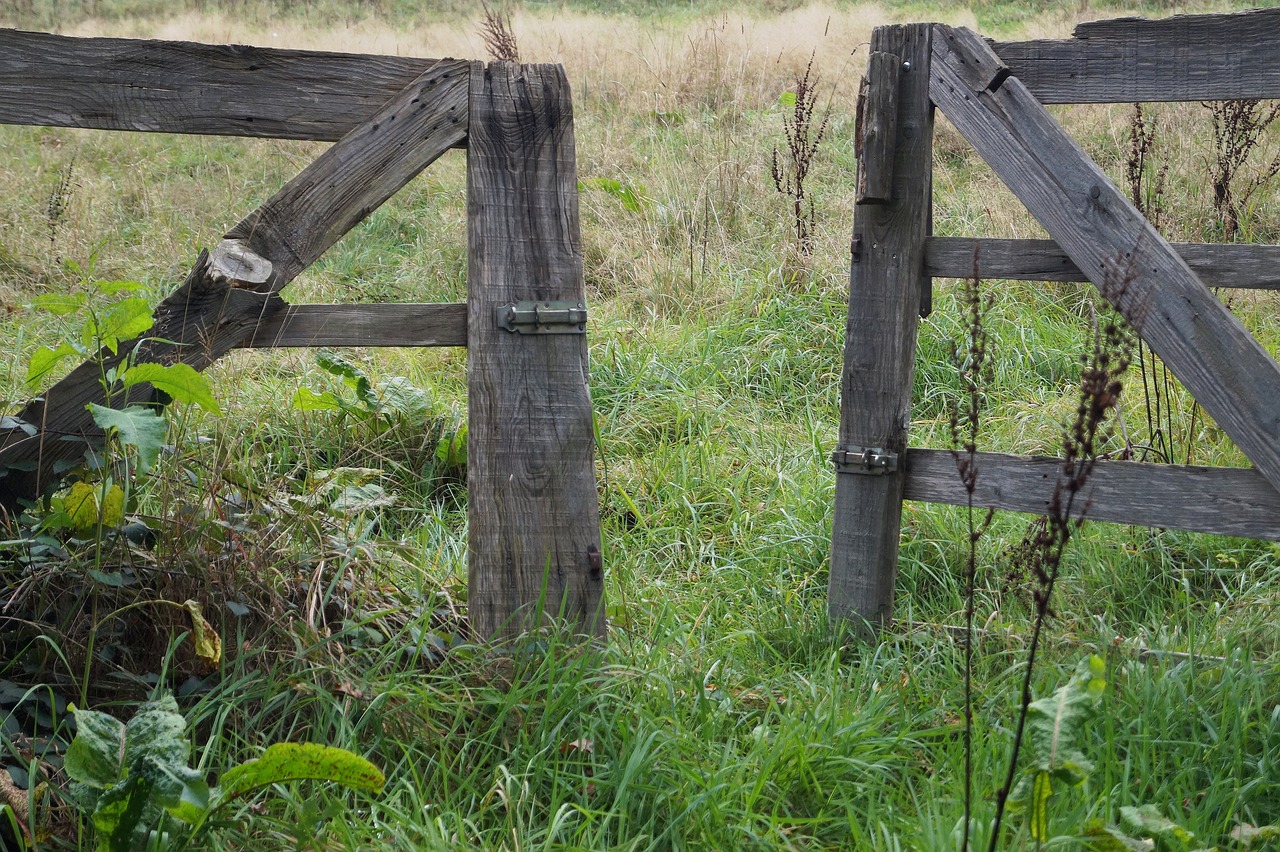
(880, 344)
(1234, 265)
(184, 87)
(534, 528)
(879, 129)
(1205, 346)
(362, 325)
(1221, 501)
(1182, 58)
(229, 293)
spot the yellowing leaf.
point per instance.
(1043, 788)
(113, 507)
(81, 506)
(207, 641)
(301, 761)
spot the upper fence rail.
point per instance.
(186, 87)
(241, 90)
(1183, 58)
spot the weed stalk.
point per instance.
(498, 35)
(790, 171)
(976, 374)
(1041, 550)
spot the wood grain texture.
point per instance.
(183, 87)
(1135, 269)
(210, 314)
(880, 344)
(362, 325)
(1233, 265)
(1221, 501)
(879, 129)
(1182, 58)
(534, 528)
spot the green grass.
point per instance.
(726, 711)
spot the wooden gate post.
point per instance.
(891, 221)
(534, 510)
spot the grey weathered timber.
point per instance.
(879, 128)
(362, 325)
(1221, 501)
(1234, 265)
(880, 345)
(534, 529)
(183, 87)
(213, 311)
(1182, 58)
(1205, 346)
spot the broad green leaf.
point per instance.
(123, 320)
(361, 498)
(632, 197)
(305, 399)
(397, 395)
(1147, 821)
(94, 756)
(787, 99)
(451, 450)
(1107, 838)
(1054, 727)
(157, 732)
(8, 421)
(44, 360)
(351, 375)
(180, 381)
(183, 792)
(118, 817)
(207, 642)
(59, 304)
(111, 288)
(301, 761)
(140, 428)
(81, 506)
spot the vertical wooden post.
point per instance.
(534, 510)
(880, 339)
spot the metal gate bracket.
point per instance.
(868, 461)
(542, 317)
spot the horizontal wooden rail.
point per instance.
(362, 325)
(184, 87)
(1253, 267)
(1182, 58)
(1222, 501)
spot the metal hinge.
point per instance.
(542, 317)
(869, 461)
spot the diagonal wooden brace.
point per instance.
(227, 294)
(1205, 346)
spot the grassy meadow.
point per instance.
(328, 546)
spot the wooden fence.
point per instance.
(994, 95)
(534, 534)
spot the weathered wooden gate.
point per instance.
(993, 94)
(533, 511)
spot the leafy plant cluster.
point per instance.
(134, 781)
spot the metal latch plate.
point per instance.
(542, 317)
(867, 461)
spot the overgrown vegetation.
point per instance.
(317, 525)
